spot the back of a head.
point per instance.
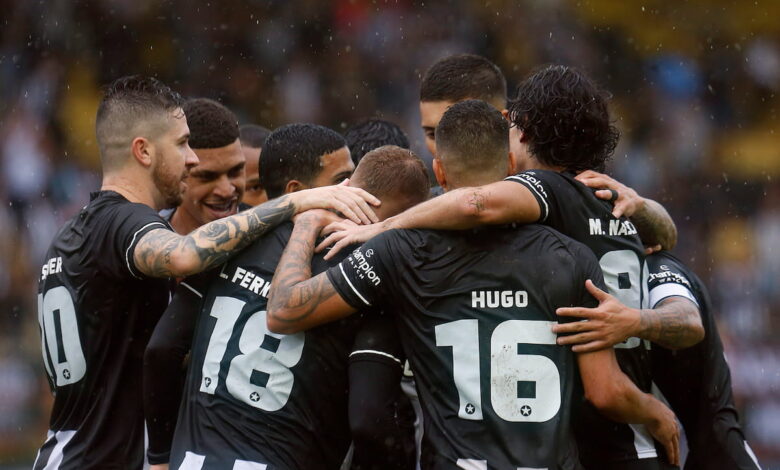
(565, 119)
(253, 135)
(293, 152)
(392, 172)
(472, 141)
(463, 76)
(372, 134)
(211, 124)
(132, 106)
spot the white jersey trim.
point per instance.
(670, 289)
(182, 283)
(530, 185)
(380, 353)
(351, 286)
(57, 455)
(132, 243)
(643, 442)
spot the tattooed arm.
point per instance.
(653, 223)
(493, 204)
(675, 323)
(298, 301)
(162, 253)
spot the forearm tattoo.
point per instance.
(293, 290)
(674, 324)
(211, 244)
(655, 226)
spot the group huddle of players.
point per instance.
(234, 298)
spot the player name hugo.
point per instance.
(494, 298)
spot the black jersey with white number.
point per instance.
(696, 381)
(258, 397)
(96, 313)
(475, 311)
(571, 207)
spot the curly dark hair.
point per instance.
(211, 124)
(564, 116)
(371, 134)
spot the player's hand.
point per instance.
(608, 324)
(650, 249)
(627, 203)
(318, 217)
(354, 203)
(664, 430)
(159, 466)
(345, 234)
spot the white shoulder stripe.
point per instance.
(341, 267)
(182, 283)
(379, 353)
(529, 185)
(669, 289)
(132, 242)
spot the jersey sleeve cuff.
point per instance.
(657, 294)
(137, 236)
(535, 186)
(345, 288)
(158, 458)
(375, 356)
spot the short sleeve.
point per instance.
(537, 183)
(666, 278)
(131, 222)
(362, 277)
(378, 340)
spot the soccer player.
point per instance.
(254, 398)
(371, 134)
(105, 281)
(696, 381)
(561, 126)
(474, 310)
(252, 141)
(456, 78)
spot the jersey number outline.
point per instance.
(508, 368)
(622, 275)
(60, 339)
(260, 375)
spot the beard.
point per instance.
(168, 184)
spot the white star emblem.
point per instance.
(470, 409)
(525, 410)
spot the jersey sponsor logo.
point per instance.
(250, 281)
(534, 181)
(667, 276)
(359, 261)
(495, 299)
(53, 266)
(617, 228)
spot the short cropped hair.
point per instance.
(293, 152)
(392, 171)
(211, 124)
(253, 136)
(565, 118)
(371, 134)
(127, 103)
(472, 138)
(462, 76)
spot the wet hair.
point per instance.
(565, 119)
(393, 171)
(473, 138)
(211, 124)
(293, 152)
(462, 76)
(371, 134)
(127, 103)
(253, 136)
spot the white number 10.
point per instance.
(507, 368)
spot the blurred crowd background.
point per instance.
(695, 87)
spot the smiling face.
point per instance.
(215, 186)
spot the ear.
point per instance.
(512, 164)
(505, 113)
(143, 151)
(438, 171)
(293, 186)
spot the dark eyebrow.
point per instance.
(237, 167)
(205, 174)
(342, 176)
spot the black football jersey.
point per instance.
(696, 381)
(260, 400)
(475, 311)
(96, 313)
(571, 208)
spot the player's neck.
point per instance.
(182, 222)
(128, 188)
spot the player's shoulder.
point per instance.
(663, 267)
(554, 239)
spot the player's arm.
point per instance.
(656, 228)
(493, 204)
(297, 301)
(619, 399)
(164, 368)
(675, 323)
(163, 253)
